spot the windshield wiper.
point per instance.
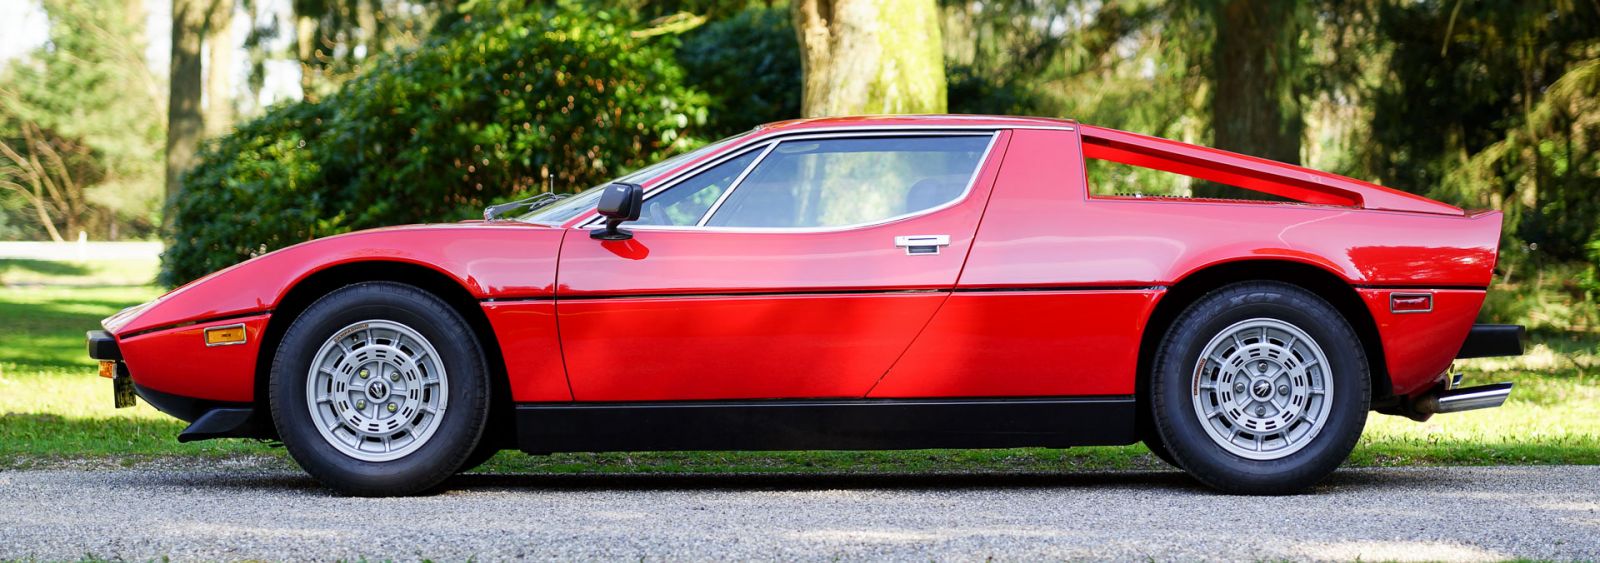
(494, 212)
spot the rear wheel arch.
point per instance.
(1322, 282)
(322, 282)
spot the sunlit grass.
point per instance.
(54, 409)
(132, 272)
(53, 404)
(1553, 415)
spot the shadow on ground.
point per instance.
(1153, 481)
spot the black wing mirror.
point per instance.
(620, 202)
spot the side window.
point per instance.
(838, 182)
(1132, 173)
(685, 203)
(1112, 179)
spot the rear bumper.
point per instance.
(1483, 341)
(1487, 341)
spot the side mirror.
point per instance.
(620, 202)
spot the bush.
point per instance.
(493, 107)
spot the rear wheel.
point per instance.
(379, 389)
(1260, 388)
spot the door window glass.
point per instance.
(686, 202)
(838, 182)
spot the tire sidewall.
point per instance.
(1172, 395)
(459, 428)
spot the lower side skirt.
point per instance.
(865, 424)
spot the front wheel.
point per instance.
(379, 389)
(1260, 388)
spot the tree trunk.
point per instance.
(305, 32)
(870, 56)
(219, 68)
(1255, 109)
(185, 125)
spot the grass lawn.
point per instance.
(54, 410)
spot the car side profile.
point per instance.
(893, 282)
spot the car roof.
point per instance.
(868, 121)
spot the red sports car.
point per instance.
(849, 283)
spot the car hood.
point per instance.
(499, 259)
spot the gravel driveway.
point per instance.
(1372, 514)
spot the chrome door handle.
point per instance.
(922, 244)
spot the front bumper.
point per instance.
(103, 346)
(208, 419)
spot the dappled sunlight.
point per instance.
(1541, 357)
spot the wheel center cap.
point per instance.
(378, 390)
(1261, 389)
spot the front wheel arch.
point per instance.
(325, 281)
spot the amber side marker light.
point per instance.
(225, 335)
(108, 369)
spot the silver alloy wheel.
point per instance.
(1262, 389)
(377, 390)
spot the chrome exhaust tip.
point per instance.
(1465, 399)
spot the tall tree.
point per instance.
(1256, 109)
(185, 123)
(219, 68)
(870, 56)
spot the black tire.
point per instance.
(1173, 389)
(485, 451)
(1159, 448)
(458, 429)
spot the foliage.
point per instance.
(502, 103)
(47, 173)
(87, 97)
(1493, 104)
(337, 38)
(749, 65)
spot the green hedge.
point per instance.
(490, 108)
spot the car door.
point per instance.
(791, 267)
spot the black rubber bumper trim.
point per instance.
(222, 422)
(1487, 341)
(187, 409)
(860, 424)
(103, 346)
(209, 419)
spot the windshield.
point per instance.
(565, 209)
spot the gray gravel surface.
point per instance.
(1477, 513)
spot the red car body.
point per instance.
(1043, 291)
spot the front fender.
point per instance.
(489, 260)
